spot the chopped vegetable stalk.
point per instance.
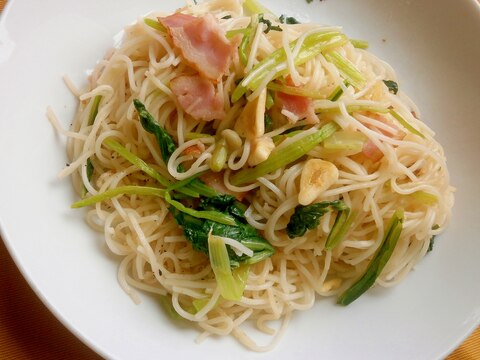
(89, 169)
(91, 119)
(359, 44)
(337, 92)
(432, 239)
(244, 44)
(297, 91)
(378, 262)
(193, 135)
(200, 187)
(347, 69)
(199, 304)
(424, 197)
(231, 33)
(155, 25)
(216, 216)
(135, 160)
(285, 156)
(166, 302)
(231, 288)
(312, 45)
(308, 217)
(353, 108)
(346, 140)
(255, 7)
(219, 156)
(405, 124)
(279, 138)
(342, 224)
(94, 109)
(121, 190)
(184, 183)
(270, 101)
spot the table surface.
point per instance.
(29, 331)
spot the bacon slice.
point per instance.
(202, 43)
(371, 151)
(194, 150)
(197, 97)
(299, 106)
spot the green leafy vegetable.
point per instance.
(268, 122)
(392, 86)
(378, 262)
(164, 140)
(288, 20)
(270, 26)
(285, 156)
(308, 217)
(196, 230)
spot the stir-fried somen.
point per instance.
(242, 164)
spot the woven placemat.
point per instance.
(29, 331)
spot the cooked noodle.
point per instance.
(155, 255)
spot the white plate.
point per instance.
(433, 45)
